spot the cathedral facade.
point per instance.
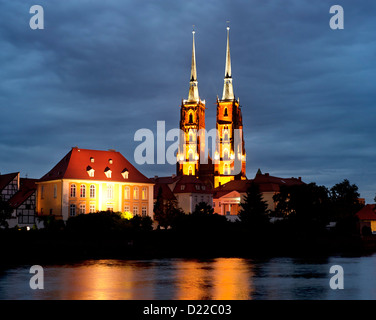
(228, 160)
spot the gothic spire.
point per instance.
(228, 90)
(193, 87)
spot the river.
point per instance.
(220, 278)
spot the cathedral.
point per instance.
(229, 157)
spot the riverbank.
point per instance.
(38, 246)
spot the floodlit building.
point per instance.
(87, 181)
(186, 190)
(229, 141)
(228, 197)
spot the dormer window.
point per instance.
(108, 172)
(91, 159)
(90, 171)
(182, 187)
(110, 161)
(197, 187)
(125, 173)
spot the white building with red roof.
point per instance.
(92, 180)
(187, 190)
(228, 197)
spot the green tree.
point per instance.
(345, 200)
(5, 213)
(166, 211)
(304, 203)
(254, 210)
(203, 208)
(345, 205)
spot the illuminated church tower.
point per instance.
(230, 155)
(192, 119)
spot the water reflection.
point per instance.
(218, 279)
(182, 279)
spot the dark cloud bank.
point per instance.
(103, 69)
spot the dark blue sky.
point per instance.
(100, 70)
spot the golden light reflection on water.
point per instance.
(220, 279)
(179, 279)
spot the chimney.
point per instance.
(267, 174)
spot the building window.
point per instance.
(182, 187)
(144, 211)
(90, 171)
(225, 154)
(197, 187)
(135, 210)
(51, 211)
(190, 171)
(72, 210)
(190, 155)
(225, 134)
(92, 208)
(126, 209)
(42, 192)
(144, 194)
(190, 118)
(135, 193)
(73, 191)
(108, 172)
(226, 169)
(213, 204)
(110, 192)
(92, 191)
(82, 208)
(125, 173)
(83, 191)
(127, 193)
(91, 159)
(225, 113)
(55, 191)
(110, 208)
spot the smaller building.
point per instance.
(228, 197)
(367, 218)
(20, 193)
(187, 190)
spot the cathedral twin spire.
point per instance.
(193, 87)
(228, 90)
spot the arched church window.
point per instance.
(190, 118)
(225, 113)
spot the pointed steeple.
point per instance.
(193, 84)
(228, 90)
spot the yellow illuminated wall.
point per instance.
(115, 196)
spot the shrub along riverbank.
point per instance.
(107, 235)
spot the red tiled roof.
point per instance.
(191, 184)
(367, 212)
(74, 166)
(27, 188)
(166, 191)
(265, 182)
(5, 179)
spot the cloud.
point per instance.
(102, 70)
